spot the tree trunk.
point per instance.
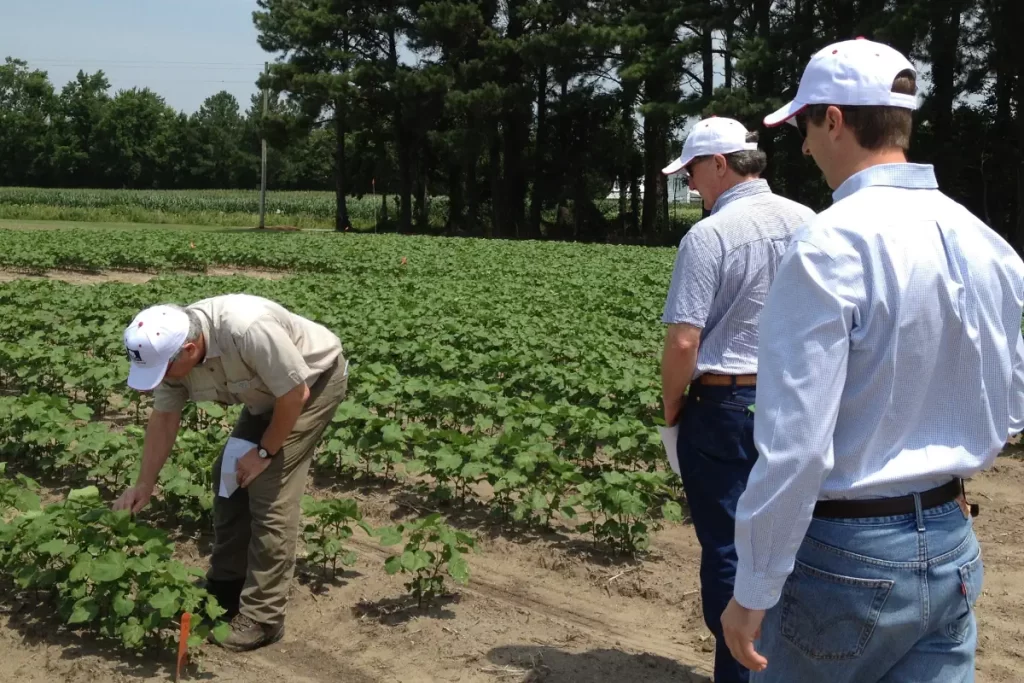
(730, 24)
(456, 194)
(539, 147)
(945, 39)
(655, 159)
(496, 227)
(634, 200)
(421, 211)
(516, 130)
(563, 147)
(472, 187)
(708, 57)
(341, 222)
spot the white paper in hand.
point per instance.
(234, 450)
(669, 437)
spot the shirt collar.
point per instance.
(212, 350)
(908, 176)
(748, 188)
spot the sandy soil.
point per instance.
(536, 609)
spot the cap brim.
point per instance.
(145, 379)
(786, 113)
(676, 166)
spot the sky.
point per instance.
(184, 50)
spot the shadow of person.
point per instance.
(533, 664)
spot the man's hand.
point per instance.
(134, 499)
(673, 409)
(741, 627)
(250, 466)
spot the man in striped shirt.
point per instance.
(891, 367)
(723, 270)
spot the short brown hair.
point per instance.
(750, 162)
(876, 127)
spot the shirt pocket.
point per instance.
(206, 395)
(249, 389)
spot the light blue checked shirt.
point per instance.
(723, 269)
(891, 361)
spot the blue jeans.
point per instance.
(878, 600)
(716, 453)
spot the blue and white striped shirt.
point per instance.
(891, 361)
(724, 267)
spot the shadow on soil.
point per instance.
(320, 581)
(395, 611)
(39, 626)
(533, 664)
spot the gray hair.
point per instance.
(195, 328)
(748, 162)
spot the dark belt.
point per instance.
(888, 507)
(713, 380)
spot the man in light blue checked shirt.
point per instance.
(891, 367)
(723, 270)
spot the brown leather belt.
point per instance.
(712, 380)
(887, 507)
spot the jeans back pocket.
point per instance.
(830, 616)
(972, 575)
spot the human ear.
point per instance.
(833, 121)
(721, 165)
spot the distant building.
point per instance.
(679, 191)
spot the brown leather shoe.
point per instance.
(247, 635)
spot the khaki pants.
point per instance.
(256, 529)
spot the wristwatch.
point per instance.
(263, 453)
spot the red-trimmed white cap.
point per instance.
(851, 72)
(150, 341)
(711, 136)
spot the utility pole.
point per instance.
(263, 159)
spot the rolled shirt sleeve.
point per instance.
(802, 359)
(1016, 410)
(170, 397)
(270, 352)
(695, 278)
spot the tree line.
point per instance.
(525, 112)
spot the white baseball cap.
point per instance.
(150, 341)
(711, 136)
(851, 72)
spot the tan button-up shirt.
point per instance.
(256, 351)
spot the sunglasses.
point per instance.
(689, 167)
(801, 124)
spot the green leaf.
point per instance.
(166, 602)
(108, 567)
(408, 561)
(123, 606)
(55, 546)
(221, 631)
(672, 511)
(82, 569)
(84, 494)
(214, 610)
(85, 610)
(81, 412)
(393, 564)
(132, 633)
(389, 536)
(458, 568)
(392, 434)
